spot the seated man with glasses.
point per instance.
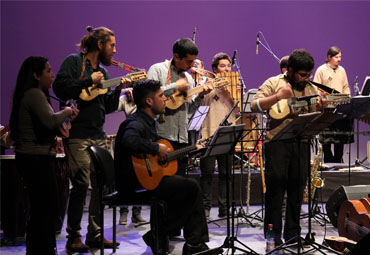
(286, 160)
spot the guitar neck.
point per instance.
(111, 82)
(180, 152)
(194, 91)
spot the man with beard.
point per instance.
(286, 160)
(79, 71)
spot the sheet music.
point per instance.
(197, 119)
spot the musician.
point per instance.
(137, 134)
(334, 76)
(286, 160)
(33, 127)
(198, 78)
(79, 71)
(173, 76)
(220, 103)
(283, 64)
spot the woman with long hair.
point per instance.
(33, 127)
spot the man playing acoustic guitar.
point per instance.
(137, 135)
(77, 73)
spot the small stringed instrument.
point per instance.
(295, 105)
(150, 171)
(66, 125)
(178, 98)
(339, 243)
(354, 219)
(95, 90)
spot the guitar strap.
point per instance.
(125, 66)
(168, 80)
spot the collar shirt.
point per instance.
(271, 87)
(332, 78)
(175, 126)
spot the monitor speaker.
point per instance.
(343, 193)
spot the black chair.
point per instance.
(105, 173)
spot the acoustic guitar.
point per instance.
(354, 219)
(178, 98)
(150, 171)
(297, 105)
(95, 90)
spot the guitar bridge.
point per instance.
(147, 163)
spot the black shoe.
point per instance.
(278, 242)
(149, 241)
(96, 243)
(189, 249)
(207, 212)
(222, 213)
(76, 245)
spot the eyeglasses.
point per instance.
(305, 75)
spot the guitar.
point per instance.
(95, 90)
(295, 105)
(66, 125)
(339, 243)
(150, 171)
(178, 98)
(354, 219)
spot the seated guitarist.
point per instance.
(137, 134)
(286, 160)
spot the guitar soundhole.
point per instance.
(163, 163)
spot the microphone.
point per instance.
(194, 31)
(233, 59)
(258, 42)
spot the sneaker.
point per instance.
(137, 219)
(123, 218)
(189, 249)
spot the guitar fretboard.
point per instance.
(180, 152)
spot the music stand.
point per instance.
(195, 123)
(365, 91)
(358, 106)
(248, 99)
(223, 142)
(305, 126)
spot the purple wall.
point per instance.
(145, 32)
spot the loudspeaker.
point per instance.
(340, 195)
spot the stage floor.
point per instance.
(131, 242)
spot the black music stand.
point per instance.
(305, 126)
(358, 106)
(223, 142)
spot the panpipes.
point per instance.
(235, 87)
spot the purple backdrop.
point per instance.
(145, 32)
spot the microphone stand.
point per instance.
(241, 210)
(268, 49)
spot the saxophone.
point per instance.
(316, 181)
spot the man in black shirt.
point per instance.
(79, 71)
(137, 134)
